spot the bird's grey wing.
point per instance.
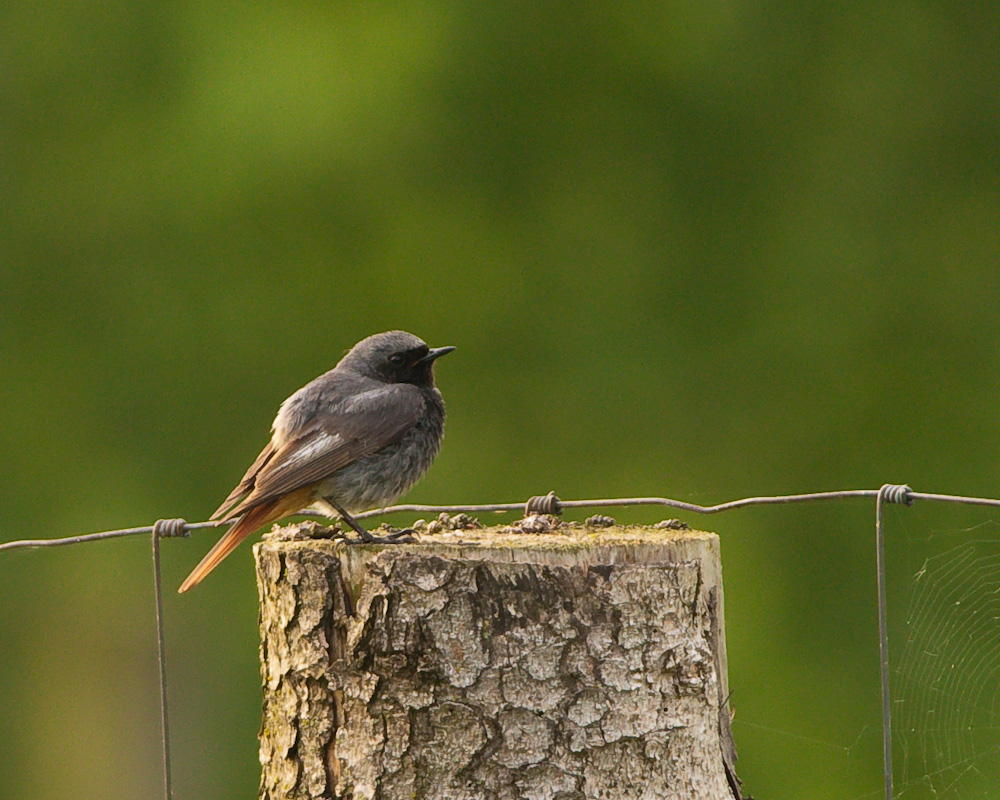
(245, 486)
(291, 423)
(335, 437)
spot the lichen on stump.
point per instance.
(487, 665)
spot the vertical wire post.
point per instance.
(164, 723)
(889, 493)
(883, 646)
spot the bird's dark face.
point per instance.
(395, 357)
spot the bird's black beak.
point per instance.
(435, 353)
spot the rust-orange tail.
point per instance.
(251, 520)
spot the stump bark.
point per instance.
(580, 664)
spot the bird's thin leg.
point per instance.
(359, 529)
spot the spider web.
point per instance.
(945, 661)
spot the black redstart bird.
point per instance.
(355, 438)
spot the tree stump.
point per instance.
(487, 664)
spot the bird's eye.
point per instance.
(396, 360)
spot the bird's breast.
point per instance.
(378, 479)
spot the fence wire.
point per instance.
(550, 504)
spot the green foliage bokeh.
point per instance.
(701, 250)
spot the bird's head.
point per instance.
(394, 357)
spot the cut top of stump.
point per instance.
(565, 545)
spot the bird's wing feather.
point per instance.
(358, 426)
(245, 486)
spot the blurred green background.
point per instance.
(695, 249)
